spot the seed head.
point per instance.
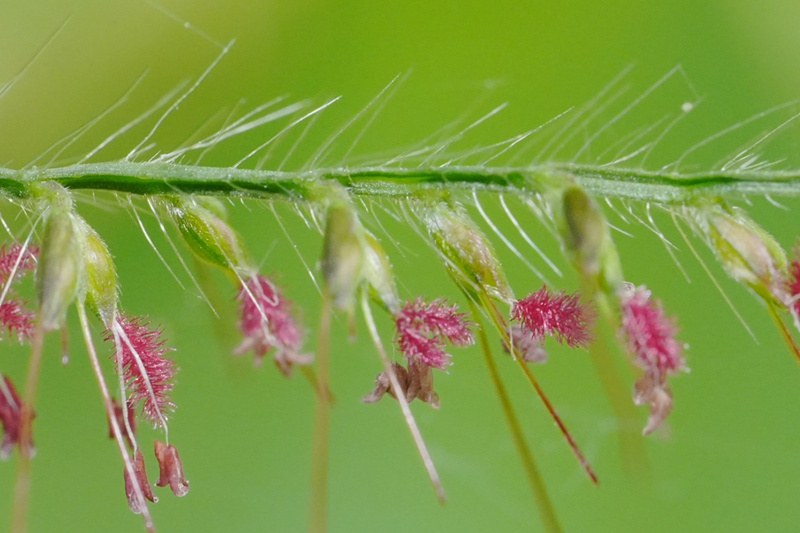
(746, 251)
(379, 276)
(148, 374)
(207, 234)
(267, 323)
(561, 315)
(343, 255)
(102, 293)
(423, 330)
(60, 270)
(468, 254)
(586, 238)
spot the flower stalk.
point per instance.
(603, 182)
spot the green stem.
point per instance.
(22, 490)
(546, 510)
(607, 182)
(322, 413)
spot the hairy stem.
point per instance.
(607, 182)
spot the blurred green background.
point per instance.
(730, 459)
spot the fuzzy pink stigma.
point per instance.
(267, 323)
(423, 330)
(650, 334)
(793, 284)
(561, 315)
(10, 417)
(148, 374)
(16, 320)
(9, 255)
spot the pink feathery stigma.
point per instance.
(267, 323)
(650, 335)
(423, 330)
(145, 366)
(793, 284)
(16, 320)
(9, 255)
(10, 417)
(561, 315)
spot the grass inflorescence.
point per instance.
(430, 188)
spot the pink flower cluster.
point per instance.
(650, 338)
(793, 286)
(15, 261)
(424, 329)
(562, 316)
(10, 417)
(267, 323)
(650, 334)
